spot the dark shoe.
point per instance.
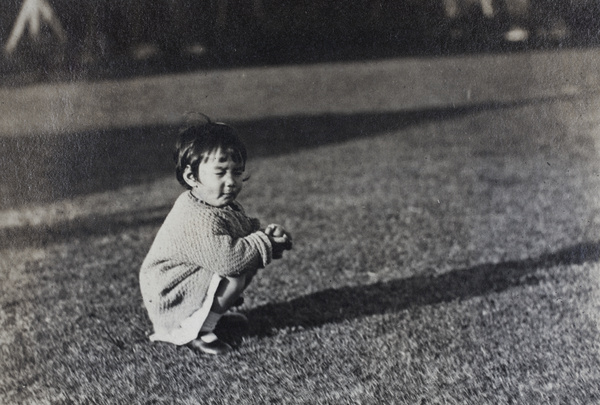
(215, 346)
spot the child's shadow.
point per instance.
(337, 305)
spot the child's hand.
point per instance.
(278, 233)
(280, 238)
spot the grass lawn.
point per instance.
(441, 257)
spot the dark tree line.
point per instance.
(100, 28)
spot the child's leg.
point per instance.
(230, 289)
(249, 276)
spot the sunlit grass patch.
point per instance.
(430, 266)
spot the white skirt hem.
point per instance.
(190, 327)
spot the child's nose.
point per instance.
(229, 181)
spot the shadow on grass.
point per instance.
(80, 228)
(47, 167)
(337, 305)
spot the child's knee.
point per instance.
(237, 284)
(249, 276)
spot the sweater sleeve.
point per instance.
(218, 251)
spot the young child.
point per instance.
(207, 250)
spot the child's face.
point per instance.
(219, 179)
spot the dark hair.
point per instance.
(197, 141)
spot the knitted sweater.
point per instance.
(195, 242)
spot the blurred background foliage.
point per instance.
(115, 38)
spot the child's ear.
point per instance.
(189, 177)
